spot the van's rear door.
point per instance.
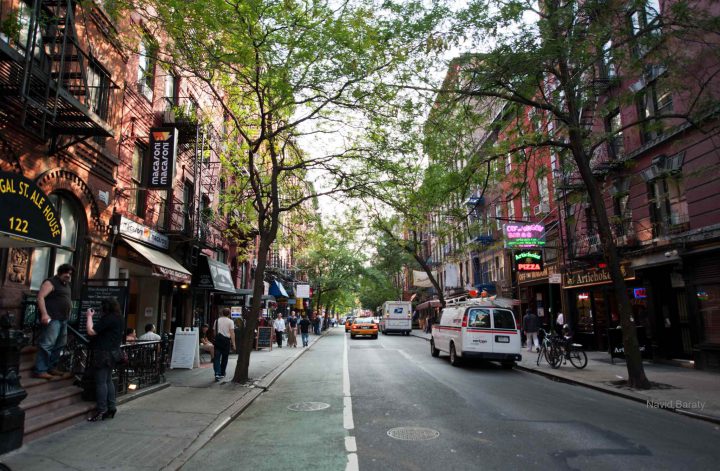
(478, 334)
(506, 338)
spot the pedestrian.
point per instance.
(292, 323)
(531, 326)
(224, 341)
(559, 323)
(130, 335)
(279, 326)
(54, 301)
(304, 326)
(149, 334)
(106, 335)
(205, 344)
(316, 324)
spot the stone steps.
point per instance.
(51, 405)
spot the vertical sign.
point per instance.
(160, 167)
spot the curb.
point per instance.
(232, 412)
(644, 400)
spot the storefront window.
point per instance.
(585, 315)
(708, 299)
(46, 260)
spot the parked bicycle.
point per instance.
(550, 349)
(572, 351)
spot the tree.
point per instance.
(554, 61)
(285, 71)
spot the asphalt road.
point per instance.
(471, 417)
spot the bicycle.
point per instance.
(574, 353)
(550, 350)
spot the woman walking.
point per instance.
(291, 329)
(107, 334)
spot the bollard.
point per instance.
(12, 417)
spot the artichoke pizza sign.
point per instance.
(529, 261)
(160, 165)
(27, 216)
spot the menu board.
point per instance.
(264, 337)
(93, 296)
(186, 348)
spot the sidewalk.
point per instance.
(682, 390)
(160, 430)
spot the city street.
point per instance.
(475, 416)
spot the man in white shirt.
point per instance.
(149, 334)
(279, 326)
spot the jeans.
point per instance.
(305, 338)
(532, 339)
(51, 342)
(104, 389)
(222, 353)
(278, 337)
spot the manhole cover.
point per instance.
(413, 433)
(308, 406)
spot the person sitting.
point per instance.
(149, 334)
(205, 344)
(130, 335)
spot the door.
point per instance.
(505, 336)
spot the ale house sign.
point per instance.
(27, 216)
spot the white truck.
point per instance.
(396, 317)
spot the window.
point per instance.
(508, 164)
(668, 206)
(653, 102)
(46, 260)
(543, 192)
(525, 200)
(608, 66)
(479, 318)
(616, 144)
(170, 88)
(162, 208)
(186, 205)
(221, 256)
(503, 319)
(498, 216)
(146, 66)
(136, 203)
(643, 26)
(98, 84)
(20, 37)
(511, 210)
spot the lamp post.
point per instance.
(12, 417)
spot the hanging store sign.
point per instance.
(160, 167)
(529, 261)
(524, 236)
(130, 228)
(27, 217)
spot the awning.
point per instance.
(214, 275)
(427, 304)
(277, 289)
(163, 265)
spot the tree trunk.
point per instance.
(633, 358)
(248, 338)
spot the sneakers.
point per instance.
(217, 378)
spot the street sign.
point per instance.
(555, 278)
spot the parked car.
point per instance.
(364, 326)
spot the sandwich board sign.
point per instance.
(186, 348)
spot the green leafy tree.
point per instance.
(552, 58)
(285, 71)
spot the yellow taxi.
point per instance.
(348, 323)
(364, 326)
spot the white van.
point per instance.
(396, 317)
(478, 328)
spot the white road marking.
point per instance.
(348, 422)
(350, 444)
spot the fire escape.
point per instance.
(48, 84)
